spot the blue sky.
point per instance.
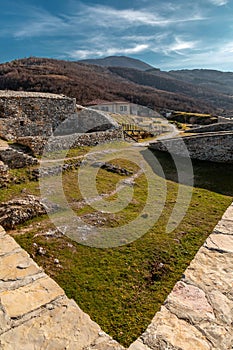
(166, 34)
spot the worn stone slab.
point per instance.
(30, 297)
(105, 343)
(138, 345)
(219, 336)
(5, 321)
(225, 227)
(8, 245)
(223, 307)
(17, 266)
(220, 243)
(189, 302)
(63, 325)
(167, 331)
(2, 232)
(211, 270)
(228, 215)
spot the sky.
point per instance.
(168, 35)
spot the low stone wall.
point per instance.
(37, 144)
(212, 128)
(15, 159)
(215, 147)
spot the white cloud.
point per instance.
(106, 16)
(217, 56)
(180, 45)
(219, 2)
(176, 45)
(82, 54)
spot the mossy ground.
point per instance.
(122, 288)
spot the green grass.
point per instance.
(23, 184)
(72, 152)
(122, 288)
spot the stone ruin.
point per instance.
(28, 119)
(24, 114)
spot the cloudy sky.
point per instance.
(166, 34)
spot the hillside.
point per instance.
(167, 82)
(119, 61)
(206, 78)
(89, 82)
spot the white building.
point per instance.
(122, 107)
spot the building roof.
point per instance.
(103, 102)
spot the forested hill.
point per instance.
(88, 82)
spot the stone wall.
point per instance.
(216, 147)
(37, 144)
(30, 114)
(212, 128)
(40, 114)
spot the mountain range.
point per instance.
(123, 78)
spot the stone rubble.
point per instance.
(15, 159)
(17, 211)
(4, 175)
(112, 168)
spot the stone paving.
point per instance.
(197, 315)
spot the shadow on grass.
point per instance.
(216, 177)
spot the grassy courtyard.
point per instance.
(121, 288)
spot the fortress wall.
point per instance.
(31, 114)
(39, 114)
(215, 147)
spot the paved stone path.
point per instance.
(197, 315)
